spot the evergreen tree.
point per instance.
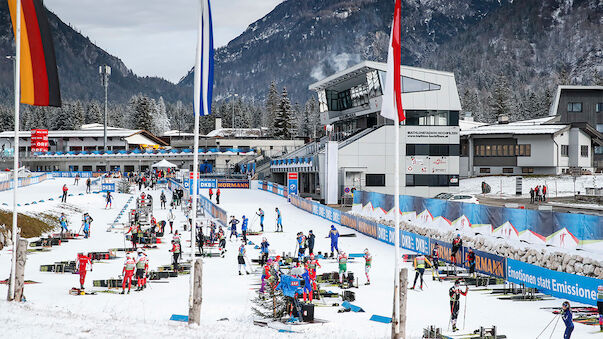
(283, 125)
(7, 119)
(241, 114)
(94, 113)
(499, 100)
(161, 121)
(311, 108)
(77, 111)
(545, 103)
(272, 106)
(143, 112)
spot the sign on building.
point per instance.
(293, 183)
(39, 140)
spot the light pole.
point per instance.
(105, 72)
(233, 110)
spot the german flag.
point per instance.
(39, 77)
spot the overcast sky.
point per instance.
(156, 37)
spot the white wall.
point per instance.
(543, 150)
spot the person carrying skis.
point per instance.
(83, 260)
(435, 260)
(218, 196)
(470, 259)
(142, 266)
(567, 317)
(162, 199)
(334, 235)
(233, 227)
(211, 193)
(368, 261)
(600, 305)
(128, 272)
(455, 293)
(260, 213)
(419, 263)
(301, 243)
(65, 190)
(244, 228)
(88, 185)
(171, 220)
(109, 200)
(264, 251)
(175, 253)
(457, 244)
(241, 258)
(310, 240)
(63, 221)
(279, 220)
(343, 265)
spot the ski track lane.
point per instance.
(52, 312)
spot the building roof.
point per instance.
(524, 127)
(238, 133)
(363, 68)
(468, 124)
(177, 133)
(555, 103)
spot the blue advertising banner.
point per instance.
(558, 284)
(292, 183)
(487, 263)
(108, 187)
(201, 184)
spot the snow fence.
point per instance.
(6, 185)
(559, 284)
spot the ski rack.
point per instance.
(433, 332)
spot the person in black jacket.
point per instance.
(310, 240)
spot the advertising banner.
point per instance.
(233, 183)
(39, 140)
(558, 284)
(487, 263)
(292, 183)
(202, 184)
(108, 187)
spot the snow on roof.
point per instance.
(82, 133)
(468, 124)
(177, 133)
(237, 133)
(555, 102)
(512, 128)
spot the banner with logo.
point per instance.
(233, 183)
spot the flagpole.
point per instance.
(197, 111)
(397, 220)
(17, 68)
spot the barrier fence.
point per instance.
(208, 205)
(558, 284)
(6, 185)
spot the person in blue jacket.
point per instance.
(233, 227)
(264, 251)
(63, 221)
(244, 229)
(566, 315)
(334, 235)
(301, 249)
(279, 220)
(260, 213)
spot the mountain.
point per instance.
(77, 61)
(535, 44)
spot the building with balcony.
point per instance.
(350, 104)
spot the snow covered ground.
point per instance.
(558, 186)
(51, 312)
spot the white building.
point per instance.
(350, 101)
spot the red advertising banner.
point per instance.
(39, 140)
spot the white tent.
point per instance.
(164, 164)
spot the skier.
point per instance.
(264, 251)
(63, 221)
(128, 272)
(260, 213)
(334, 235)
(77, 180)
(455, 293)
(301, 243)
(88, 185)
(134, 231)
(435, 260)
(244, 228)
(241, 258)
(457, 244)
(310, 239)
(200, 239)
(218, 196)
(233, 227)
(163, 199)
(142, 266)
(368, 261)
(109, 200)
(265, 274)
(343, 265)
(176, 253)
(307, 284)
(211, 193)
(221, 242)
(83, 260)
(171, 220)
(65, 190)
(86, 226)
(311, 264)
(600, 305)
(419, 264)
(470, 259)
(279, 220)
(567, 319)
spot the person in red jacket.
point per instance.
(83, 260)
(211, 193)
(65, 190)
(128, 273)
(176, 253)
(218, 196)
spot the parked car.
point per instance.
(469, 198)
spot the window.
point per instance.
(375, 180)
(564, 150)
(484, 170)
(527, 170)
(442, 150)
(574, 107)
(584, 150)
(508, 170)
(434, 180)
(432, 118)
(599, 107)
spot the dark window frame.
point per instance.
(508, 170)
(584, 151)
(574, 107)
(370, 177)
(484, 170)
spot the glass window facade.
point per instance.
(375, 180)
(433, 149)
(434, 180)
(503, 150)
(432, 118)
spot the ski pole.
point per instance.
(547, 326)
(556, 322)
(464, 311)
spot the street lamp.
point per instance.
(105, 72)
(233, 110)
